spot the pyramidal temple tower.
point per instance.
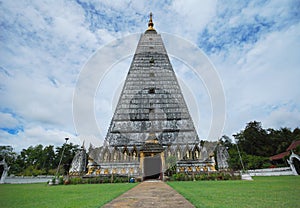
(151, 122)
(151, 102)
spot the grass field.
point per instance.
(42, 195)
(277, 191)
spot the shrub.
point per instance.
(76, 180)
(67, 182)
(205, 176)
(106, 180)
(60, 180)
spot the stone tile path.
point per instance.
(150, 194)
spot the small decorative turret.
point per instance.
(152, 139)
(150, 23)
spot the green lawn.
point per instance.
(277, 191)
(42, 195)
(280, 191)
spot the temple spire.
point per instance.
(150, 23)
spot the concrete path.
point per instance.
(150, 194)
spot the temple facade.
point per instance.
(151, 129)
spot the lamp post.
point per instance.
(62, 154)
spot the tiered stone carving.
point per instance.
(151, 111)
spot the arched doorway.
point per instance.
(152, 155)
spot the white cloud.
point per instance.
(193, 14)
(283, 116)
(265, 76)
(37, 135)
(44, 45)
(8, 121)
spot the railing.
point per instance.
(27, 179)
(271, 171)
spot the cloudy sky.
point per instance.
(253, 45)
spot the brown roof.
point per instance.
(280, 156)
(152, 145)
(293, 145)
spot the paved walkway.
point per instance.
(150, 194)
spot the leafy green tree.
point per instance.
(48, 158)
(226, 141)
(38, 160)
(69, 151)
(171, 165)
(296, 133)
(253, 139)
(31, 159)
(257, 144)
(234, 159)
(249, 161)
(280, 140)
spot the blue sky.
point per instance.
(254, 46)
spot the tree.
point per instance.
(296, 133)
(69, 153)
(226, 141)
(171, 165)
(234, 159)
(253, 139)
(31, 160)
(38, 160)
(280, 140)
(257, 144)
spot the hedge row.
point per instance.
(97, 180)
(204, 176)
(174, 177)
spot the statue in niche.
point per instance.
(98, 171)
(197, 154)
(187, 154)
(90, 170)
(115, 156)
(134, 155)
(105, 157)
(125, 155)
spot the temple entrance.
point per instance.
(152, 154)
(152, 167)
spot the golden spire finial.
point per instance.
(150, 23)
